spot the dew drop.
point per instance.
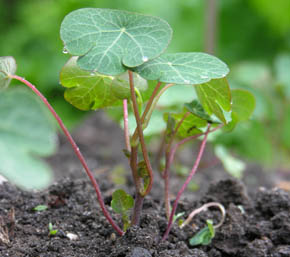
(92, 73)
(169, 63)
(65, 51)
(204, 77)
(144, 58)
(186, 81)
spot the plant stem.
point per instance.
(194, 168)
(126, 127)
(140, 134)
(76, 150)
(203, 208)
(138, 205)
(147, 108)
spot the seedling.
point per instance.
(52, 231)
(204, 236)
(118, 58)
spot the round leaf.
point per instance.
(108, 41)
(183, 68)
(121, 201)
(7, 67)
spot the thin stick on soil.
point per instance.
(204, 208)
(76, 150)
(194, 168)
(126, 127)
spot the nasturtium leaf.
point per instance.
(91, 90)
(109, 41)
(121, 201)
(7, 67)
(204, 236)
(196, 108)
(183, 68)
(190, 126)
(215, 98)
(26, 133)
(243, 105)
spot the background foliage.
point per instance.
(253, 38)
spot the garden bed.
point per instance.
(256, 224)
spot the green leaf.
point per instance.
(183, 68)
(144, 174)
(26, 133)
(215, 97)
(190, 126)
(121, 201)
(40, 208)
(204, 236)
(243, 105)
(232, 165)
(196, 108)
(7, 67)
(109, 41)
(170, 127)
(91, 90)
(52, 231)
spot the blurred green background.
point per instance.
(252, 37)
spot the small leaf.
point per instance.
(7, 67)
(52, 231)
(40, 208)
(121, 201)
(204, 236)
(91, 90)
(190, 126)
(144, 174)
(243, 105)
(196, 108)
(215, 97)
(26, 133)
(183, 68)
(109, 41)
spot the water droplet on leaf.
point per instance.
(144, 58)
(204, 77)
(65, 51)
(186, 81)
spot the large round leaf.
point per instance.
(183, 68)
(108, 40)
(7, 67)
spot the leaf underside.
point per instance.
(215, 97)
(7, 67)
(91, 90)
(109, 41)
(183, 68)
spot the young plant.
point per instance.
(116, 58)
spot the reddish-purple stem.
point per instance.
(126, 127)
(76, 150)
(140, 133)
(194, 168)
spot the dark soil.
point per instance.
(257, 224)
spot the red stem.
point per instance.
(194, 168)
(140, 133)
(76, 150)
